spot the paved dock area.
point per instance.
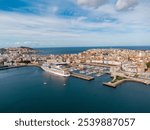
(114, 85)
(81, 76)
(101, 65)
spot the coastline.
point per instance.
(89, 62)
(89, 78)
(20, 66)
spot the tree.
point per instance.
(148, 64)
(25, 61)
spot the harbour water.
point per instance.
(30, 89)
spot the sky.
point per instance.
(70, 23)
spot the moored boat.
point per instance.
(56, 69)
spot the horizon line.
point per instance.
(79, 46)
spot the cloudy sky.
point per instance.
(61, 23)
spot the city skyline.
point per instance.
(74, 23)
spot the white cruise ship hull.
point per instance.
(56, 73)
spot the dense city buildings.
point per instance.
(122, 62)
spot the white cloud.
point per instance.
(91, 3)
(125, 4)
(46, 30)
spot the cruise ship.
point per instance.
(55, 69)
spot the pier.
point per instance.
(81, 76)
(114, 85)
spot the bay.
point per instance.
(30, 89)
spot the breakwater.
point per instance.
(115, 84)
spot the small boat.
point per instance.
(44, 83)
(98, 75)
(82, 72)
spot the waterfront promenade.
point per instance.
(19, 66)
(101, 65)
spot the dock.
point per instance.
(101, 65)
(81, 76)
(114, 85)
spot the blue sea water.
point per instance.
(75, 50)
(24, 90)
